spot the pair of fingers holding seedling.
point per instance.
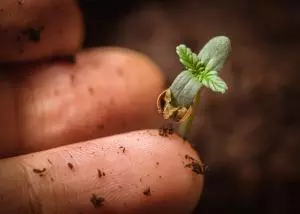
(67, 135)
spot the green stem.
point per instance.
(185, 127)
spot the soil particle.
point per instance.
(123, 149)
(147, 192)
(166, 130)
(33, 34)
(49, 161)
(97, 201)
(71, 166)
(196, 168)
(100, 173)
(189, 158)
(38, 171)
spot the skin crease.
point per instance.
(58, 19)
(69, 115)
(41, 114)
(132, 163)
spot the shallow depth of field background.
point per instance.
(249, 137)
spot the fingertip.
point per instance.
(33, 29)
(106, 91)
(177, 167)
(136, 172)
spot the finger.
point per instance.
(33, 29)
(107, 91)
(137, 172)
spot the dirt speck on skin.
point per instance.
(100, 173)
(71, 166)
(38, 171)
(166, 130)
(196, 167)
(49, 161)
(187, 157)
(147, 192)
(33, 34)
(123, 149)
(97, 201)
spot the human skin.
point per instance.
(74, 133)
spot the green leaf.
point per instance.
(201, 69)
(189, 59)
(214, 82)
(215, 53)
(184, 88)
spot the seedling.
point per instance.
(179, 101)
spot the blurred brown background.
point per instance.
(249, 137)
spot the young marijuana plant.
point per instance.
(181, 98)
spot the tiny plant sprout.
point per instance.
(180, 100)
